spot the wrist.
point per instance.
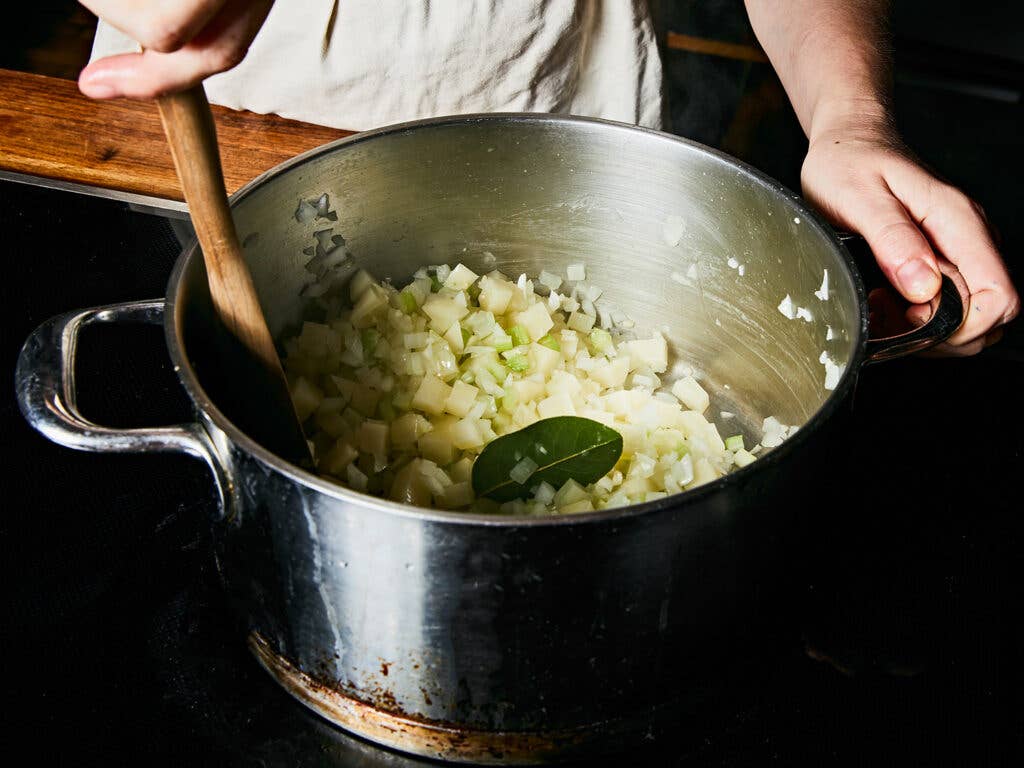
(866, 116)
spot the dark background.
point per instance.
(117, 643)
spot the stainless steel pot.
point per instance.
(500, 639)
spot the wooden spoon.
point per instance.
(257, 398)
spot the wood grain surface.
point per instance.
(679, 42)
(49, 129)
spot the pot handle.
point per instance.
(945, 320)
(45, 384)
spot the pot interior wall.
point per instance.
(655, 220)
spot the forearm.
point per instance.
(833, 57)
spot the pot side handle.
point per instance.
(45, 383)
(947, 317)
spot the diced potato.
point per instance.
(466, 433)
(408, 428)
(666, 441)
(443, 312)
(431, 395)
(556, 405)
(702, 436)
(495, 294)
(437, 446)
(318, 340)
(648, 353)
(743, 457)
(462, 398)
(632, 439)
(704, 472)
(461, 471)
(525, 390)
(543, 360)
(519, 301)
(456, 495)
(691, 394)
(335, 404)
(306, 397)
(365, 399)
(373, 438)
(657, 413)
(353, 418)
(637, 487)
(693, 424)
(341, 454)
(331, 422)
(460, 278)
(535, 320)
(611, 374)
(454, 338)
(570, 493)
(346, 387)
(410, 486)
(603, 417)
(356, 478)
(524, 415)
(561, 381)
(580, 322)
(584, 505)
(624, 402)
(370, 304)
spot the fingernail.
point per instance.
(97, 87)
(100, 91)
(917, 280)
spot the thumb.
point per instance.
(902, 251)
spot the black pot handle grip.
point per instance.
(944, 322)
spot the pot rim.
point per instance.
(201, 400)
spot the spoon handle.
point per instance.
(192, 136)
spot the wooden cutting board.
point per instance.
(50, 131)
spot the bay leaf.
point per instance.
(563, 447)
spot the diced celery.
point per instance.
(369, 337)
(466, 335)
(550, 342)
(518, 363)
(407, 302)
(734, 443)
(519, 335)
(504, 345)
(495, 369)
(682, 450)
(435, 284)
(600, 340)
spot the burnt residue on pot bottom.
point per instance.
(387, 724)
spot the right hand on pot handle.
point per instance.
(185, 41)
(862, 179)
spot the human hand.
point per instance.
(183, 41)
(862, 178)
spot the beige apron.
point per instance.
(360, 64)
